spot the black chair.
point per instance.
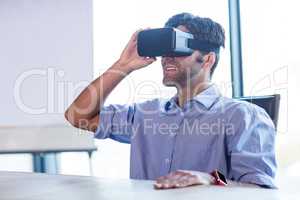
(270, 103)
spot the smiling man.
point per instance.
(182, 141)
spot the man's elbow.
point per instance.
(80, 122)
(70, 117)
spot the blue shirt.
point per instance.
(209, 132)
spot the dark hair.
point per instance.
(203, 29)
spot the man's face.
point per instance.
(178, 71)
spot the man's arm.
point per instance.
(251, 146)
(84, 111)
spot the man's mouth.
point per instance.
(170, 68)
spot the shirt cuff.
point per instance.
(104, 128)
(260, 180)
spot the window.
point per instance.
(270, 40)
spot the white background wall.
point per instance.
(45, 54)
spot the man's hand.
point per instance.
(183, 178)
(130, 58)
(84, 111)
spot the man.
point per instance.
(180, 141)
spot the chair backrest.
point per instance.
(269, 102)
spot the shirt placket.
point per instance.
(173, 137)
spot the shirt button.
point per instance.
(172, 135)
(167, 160)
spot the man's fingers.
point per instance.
(169, 181)
(163, 182)
(180, 180)
(131, 44)
(171, 176)
(133, 39)
(149, 60)
(165, 185)
(160, 179)
(162, 185)
(135, 34)
(176, 179)
(188, 180)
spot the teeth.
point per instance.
(170, 68)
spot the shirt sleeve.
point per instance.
(115, 122)
(251, 149)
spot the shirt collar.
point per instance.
(206, 98)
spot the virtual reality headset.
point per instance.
(170, 42)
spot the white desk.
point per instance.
(32, 186)
(45, 141)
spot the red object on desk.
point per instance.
(219, 178)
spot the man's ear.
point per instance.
(209, 60)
